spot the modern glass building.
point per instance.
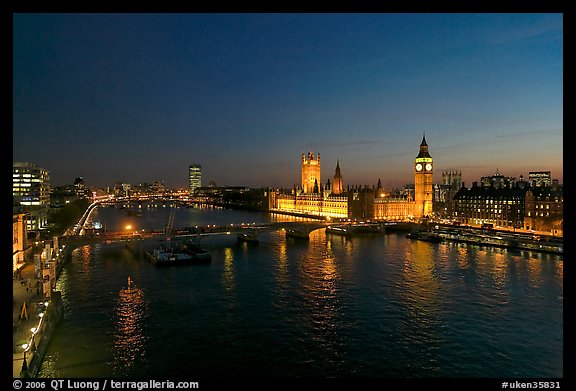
(31, 193)
(194, 177)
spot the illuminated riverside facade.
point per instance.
(31, 194)
(489, 204)
(512, 204)
(544, 209)
(311, 198)
(395, 208)
(310, 173)
(20, 246)
(30, 185)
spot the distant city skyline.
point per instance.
(139, 97)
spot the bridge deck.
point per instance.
(100, 237)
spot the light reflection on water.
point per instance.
(376, 306)
(129, 337)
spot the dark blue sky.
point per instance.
(138, 97)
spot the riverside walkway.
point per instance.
(33, 318)
(26, 288)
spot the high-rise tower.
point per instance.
(310, 172)
(31, 194)
(194, 177)
(30, 185)
(337, 184)
(423, 169)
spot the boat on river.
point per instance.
(247, 238)
(297, 234)
(187, 254)
(355, 229)
(426, 236)
(130, 289)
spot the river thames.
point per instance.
(378, 306)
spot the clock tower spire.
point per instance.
(423, 170)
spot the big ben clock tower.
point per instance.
(423, 167)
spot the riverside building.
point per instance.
(330, 200)
(194, 177)
(31, 194)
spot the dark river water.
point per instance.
(380, 306)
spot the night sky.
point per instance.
(139, 97)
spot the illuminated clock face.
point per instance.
(428, 167)
(418, 167)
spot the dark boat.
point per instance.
(355, 229)
(426, 236)
(188, 254)
(338, 230)
(243, 237)
(296, 234)
(197, 253)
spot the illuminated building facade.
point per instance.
(194, 177)
(405, 206)
(361, 203)
(313, 198)
(394, 208)
(31, 194)
(505, 202)
(30, 185)
(423, 170)
(20, 246)
(313, 204)
(540, 178)
(501, 206)
(80, 187)
(122, 189)
(310, 173)
(544, 209)
(497, 181)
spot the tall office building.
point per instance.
(194, 177)
(31, 193)
(30, 185)
(80, 187)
